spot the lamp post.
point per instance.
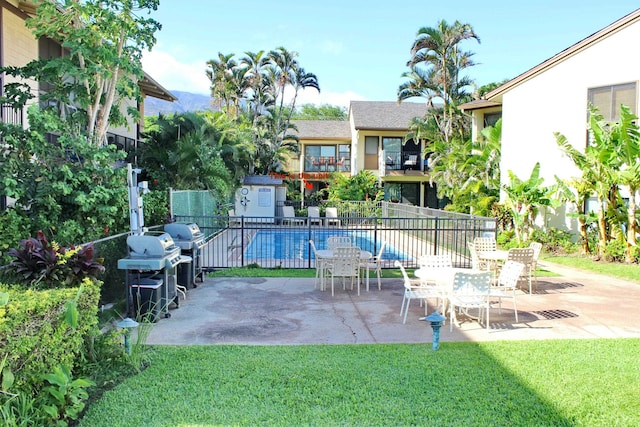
(127, 324)
(435, 320)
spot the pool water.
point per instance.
(294, 245)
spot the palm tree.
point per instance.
(220, 74)
(437, 49)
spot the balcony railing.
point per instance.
(401, 160)
(326, 164)
(11, 115)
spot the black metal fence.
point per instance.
(408, 232)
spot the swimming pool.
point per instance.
(294, 245)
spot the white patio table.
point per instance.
(327, 254)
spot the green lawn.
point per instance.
(541, 383)
(613, 269)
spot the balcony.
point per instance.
(11, 115)
(316, 164)
(392, 161)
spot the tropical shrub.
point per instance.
(39, 262)
(43, 329)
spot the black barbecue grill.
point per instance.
(190, 240)
(153, 257)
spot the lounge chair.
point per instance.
(289, 216)
(332, 216)
(313, 215)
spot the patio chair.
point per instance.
(313, 215)
(524, 256)
(320, 266)
(438, 261)
(410, 163)
(485, 244)
(470, 291)
(537, 248)
(289, 216)
(476, 262)
(345, 262)
(332, 216)
(336, 241)
(374, 263)
(414, 289)
(331, 163)
(507, 283)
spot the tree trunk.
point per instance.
(631, 226)
(602, 231)
(584, 237)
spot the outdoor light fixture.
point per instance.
(127, 324)
(436, 320)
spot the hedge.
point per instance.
(34, 335)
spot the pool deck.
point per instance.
(279, 311)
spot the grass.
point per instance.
(614, 269)
(533, 383)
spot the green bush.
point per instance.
(43, 329)
(614, 251)
(554, 240)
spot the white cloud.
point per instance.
(175, 75)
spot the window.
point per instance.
(371, 145)
(490, 119)
(607, 99)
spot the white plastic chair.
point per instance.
(537, 248)
(524, 256)
(336, 241)
(320, 266)
(313, 215)
(374, 263)
(345, 262)
(469, 291)
(414, 289)
(332, 216)
(476, 262)
(289, 216)
(507, 284)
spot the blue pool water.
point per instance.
(292, 245)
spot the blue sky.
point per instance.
(359, 51)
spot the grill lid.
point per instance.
(181, 231)
(150, 244)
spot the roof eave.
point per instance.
(152, 88)
(583, 44)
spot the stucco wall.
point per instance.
(556, 101)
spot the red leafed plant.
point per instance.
(39, 262)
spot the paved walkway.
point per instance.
(269, 311)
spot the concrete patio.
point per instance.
(267, 311)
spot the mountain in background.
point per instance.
(187, 101)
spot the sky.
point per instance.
(359, 51)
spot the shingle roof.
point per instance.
(385, 115)
(322, 129)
